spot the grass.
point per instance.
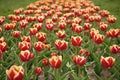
(113, 6)
(7, 6)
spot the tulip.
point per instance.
(77, 20)
(38, 70)
(38, 26)
(23, 23)
(3, 46)
(16, 34)
(113, 33)
(76, 41)
(84, 52)
(39, 46)
(55, 61)
(61, 44)
(87, 26)
(61, 34)
(79, 60)
(85, 16)
(41, 36)
(49, 26)
(103, 26)
(53, 54)
(45, 62)
(104, 13)
(2, 19)
(15, 73)
(62, 25)
(93, 32)
(107, 62)
(26, 38)
(91, 18)
(78, 29)
(26, 55)
(114, 49)
(41, 18)
(98, 38)
(111, 19)
(98, 18)
(24, 45)
(33, 31)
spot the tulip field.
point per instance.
(59, 40)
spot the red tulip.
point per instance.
(2, 19)
(62, 25)
(38, 70)
(33, 31)
(79, 60)
(111, 19)
(93, 32)
(107, 62)
(78, 29)
(3, 46)
(39, 46)
(103, 26)
(61, 44)
(76, 41)
(114, 49)
(26, 55)
(85, 16)
(26, 38)
(23, 23)
(87, 26)
(84, 52)
(61, 34)
(53, 54)
(98, 38)
(113, 33)
(55, 61)
(41, 36)
(24, 45)
(104, 13)
(77, 20)
(91, 18)
(49, 26)
(41, 18)
(38, 26)
(16, 34)
(98, 18)
(15, 73)
(45, 62)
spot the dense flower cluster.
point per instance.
(73, 30)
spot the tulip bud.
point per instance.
(38, 70)
(45, 62)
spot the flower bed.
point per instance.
(72, 40)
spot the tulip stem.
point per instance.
(57, 74)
